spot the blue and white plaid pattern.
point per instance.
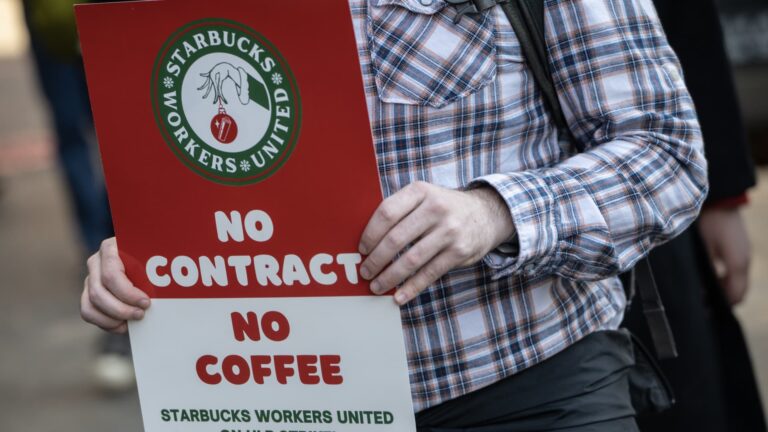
(455, 104)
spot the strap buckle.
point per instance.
(464, 7)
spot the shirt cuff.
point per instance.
(532, 206)
(729, 202)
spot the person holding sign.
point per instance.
(503, 244)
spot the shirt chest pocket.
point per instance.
(421, 57)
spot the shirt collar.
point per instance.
(428, 7)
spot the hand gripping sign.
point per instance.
(240, 168)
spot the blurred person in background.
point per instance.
(704, 272)
(55, 50)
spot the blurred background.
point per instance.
(46, 351)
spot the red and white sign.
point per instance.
(241, 173)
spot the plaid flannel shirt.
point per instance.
(454, 104)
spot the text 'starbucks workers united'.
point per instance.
(226, 101)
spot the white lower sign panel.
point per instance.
(272, 364)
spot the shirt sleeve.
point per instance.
(643, 177)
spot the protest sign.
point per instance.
(241, 173)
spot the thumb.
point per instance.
(734, 286)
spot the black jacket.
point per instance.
(694, 31)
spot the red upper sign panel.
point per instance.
(236, 147)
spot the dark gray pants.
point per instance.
(582, 389)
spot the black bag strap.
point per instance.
(653, 309)
(527, 20)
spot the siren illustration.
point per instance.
(224, 126)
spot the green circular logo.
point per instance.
(226, 101)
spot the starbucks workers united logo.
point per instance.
(226, 102)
